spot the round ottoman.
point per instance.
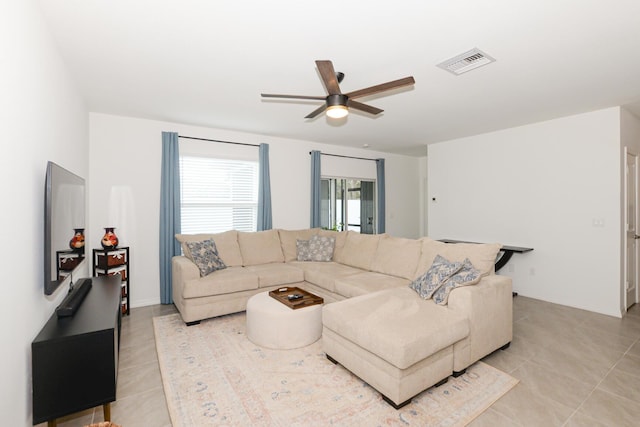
(272, 324)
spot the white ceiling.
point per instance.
(205, 62)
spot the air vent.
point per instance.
(466, 62)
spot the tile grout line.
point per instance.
(601, 381)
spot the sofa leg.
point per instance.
(196, 322)
(506, 346)
(444, 381)
(390, 402)
(456, 374)
(332, 360)
(406, 402)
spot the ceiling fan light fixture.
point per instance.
(337, 111)
(337, 106)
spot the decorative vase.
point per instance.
(77, 241)
(109, 240)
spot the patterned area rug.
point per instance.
(213, 375)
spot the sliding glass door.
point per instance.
(348, 204)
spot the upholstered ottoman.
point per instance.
(397, 342)
(272, 324)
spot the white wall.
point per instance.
(125, 153)
(43, 118)
(540, 186)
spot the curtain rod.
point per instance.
(217, 140)
(346, 157)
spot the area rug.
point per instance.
(213, 375)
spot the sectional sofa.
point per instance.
(374, 323)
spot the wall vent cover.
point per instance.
(466, 61)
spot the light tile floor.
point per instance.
(576, 368)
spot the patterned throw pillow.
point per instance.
(204, 254)
(439, 272)
(467, 275)
(321, 248)
(317, 248)
(302, 250)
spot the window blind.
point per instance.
(218, 194)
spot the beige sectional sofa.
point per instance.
(374, 324)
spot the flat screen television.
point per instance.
(64, 223)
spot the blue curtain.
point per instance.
(169, 212)
(381, 195)
(315, 189)
(264, 190)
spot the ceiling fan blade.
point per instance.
(381, 87)
(329, 78)
(316, 112)
(271, 95)
(363, 107)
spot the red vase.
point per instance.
(77, 241)
(109, 240)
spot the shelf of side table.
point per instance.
(109, 262)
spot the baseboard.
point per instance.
(145, 303)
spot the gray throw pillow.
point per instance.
(317, 248)
(321, 247)
(302, 250)
(467, 275)
(439, 272)
(204, 254)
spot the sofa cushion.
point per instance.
(440, 271)
(226, 244)
(227, 281)
(260, 247)
(205, 255)
(396, 325)
(359, 250)
(288, 241)
(276, 274)
(325, 274)
(466, 276)
(366, 282)
(397, 256)
(482, 255)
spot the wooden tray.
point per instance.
(308, 299)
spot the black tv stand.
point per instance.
(74, 359)
(72, 301)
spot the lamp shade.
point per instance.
(337, 111)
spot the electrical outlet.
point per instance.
(532, 271)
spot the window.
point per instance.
(347, 204)
(218, 194)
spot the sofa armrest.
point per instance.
(182, 270)
(488, 306)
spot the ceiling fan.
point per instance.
(336, 103)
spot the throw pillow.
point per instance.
(317, 248)
(205, 255)
(302, 250)
(467, 275)
(321, 248)
(439, 272)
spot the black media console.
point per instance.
(75, 358)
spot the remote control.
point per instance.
(294, 297)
